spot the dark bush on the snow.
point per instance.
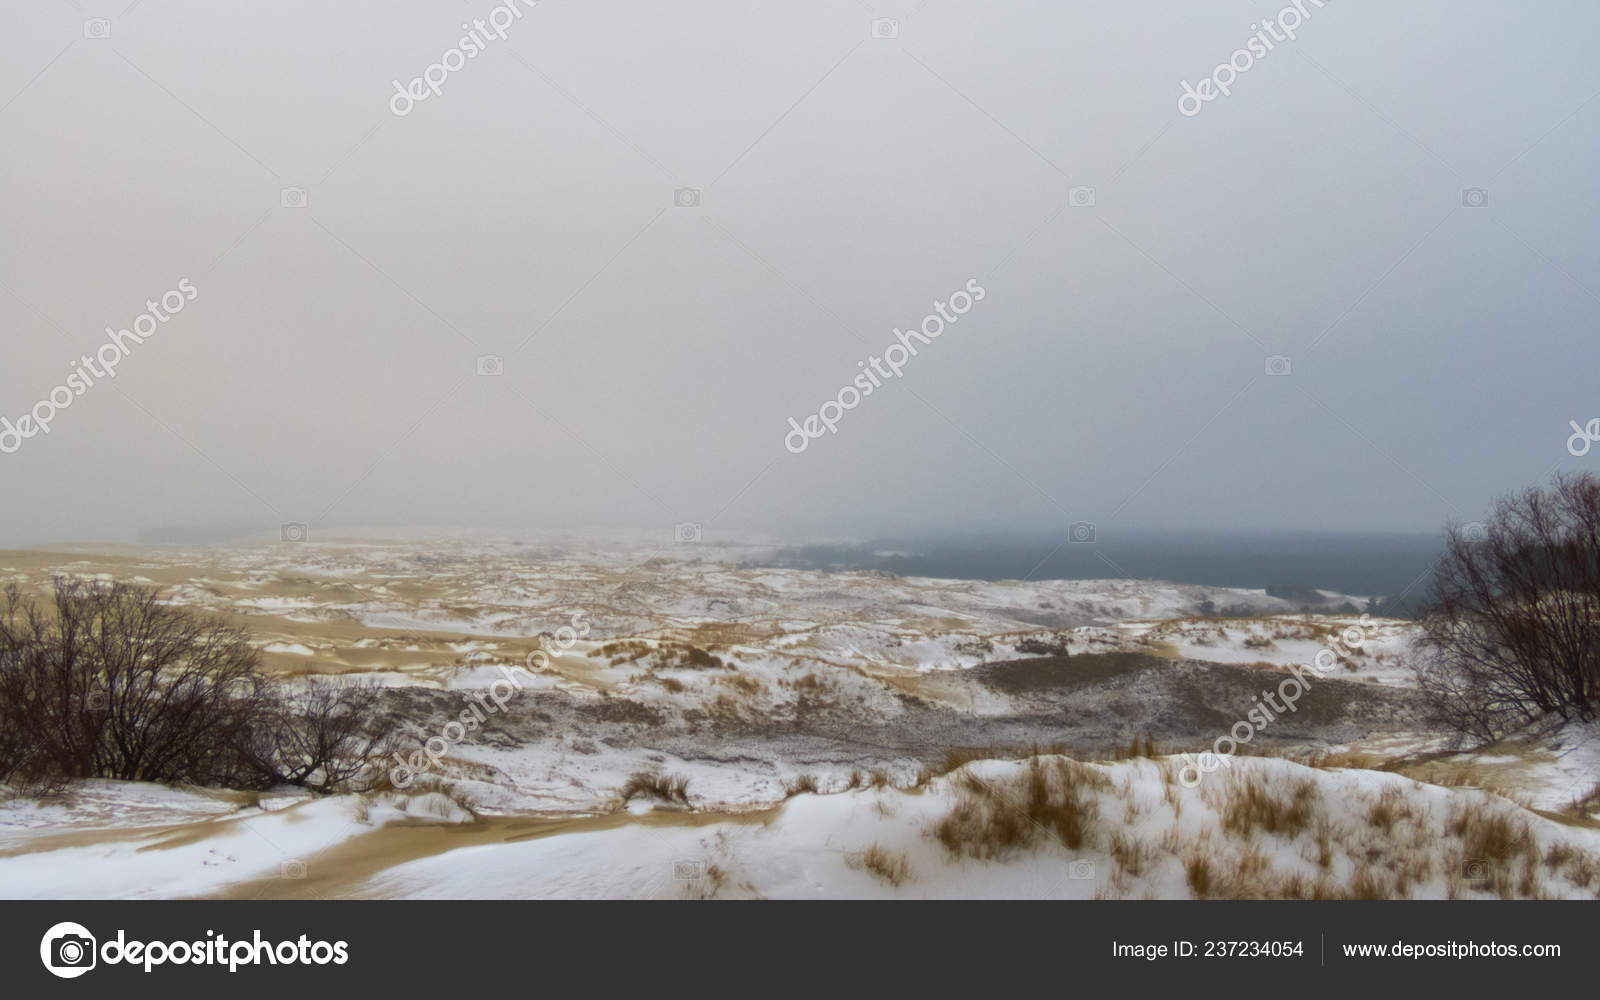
(1513, 630)
(108, 681)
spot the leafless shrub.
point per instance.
(1513, 632)
(110, 682)
(320, 736)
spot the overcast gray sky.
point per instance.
(848, 173)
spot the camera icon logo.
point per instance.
(97, 700)
(1475, 869)
(1474, 197)
(294, 531)
(687, 532)
(1080, 869)
(293, 868)
(686, 198)
(97, 27)
(1081, 196)
(885, 27)
(68, 950)
(294, 197)
(687, 871)
(1081, 532)
(1279, 364)
(490, 365)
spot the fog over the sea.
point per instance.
(591, 279)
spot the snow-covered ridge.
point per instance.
(1128, 829)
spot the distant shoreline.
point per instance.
(1369, 564)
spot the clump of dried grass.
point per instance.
(1252, 804)
(1501, 854)
(806, 784)
(653, 785)
(893, 867)
(1049, 798)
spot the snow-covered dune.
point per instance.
(1046, 827)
